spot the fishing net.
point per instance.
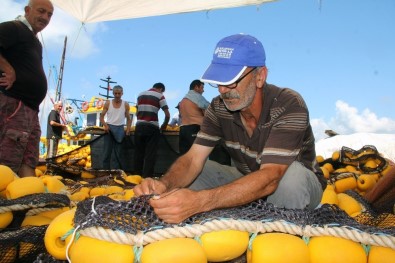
(136, 224)
(72, 162)
(23, 244)
(358, 158)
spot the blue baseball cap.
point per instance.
(232, 55)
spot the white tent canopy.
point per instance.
(88, 11)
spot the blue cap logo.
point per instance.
(232, 55)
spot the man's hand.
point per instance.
(149, 186)
(7, 79)
(177, 205)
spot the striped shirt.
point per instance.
(148, 104)
(282, 135)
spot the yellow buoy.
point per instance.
(366, 182)
(59, 227)
(224, 245)
(6, 219)
(53, 185)
(6, 176)
(279, 248)
(329, 196)
(349, 183)
(349, 204)
(91, 250)
(327, 249)
(174, 250)
(36, 220)
(25, 186)
(381, 255)
(54, 212)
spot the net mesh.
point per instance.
(137, 220)
(23, 244)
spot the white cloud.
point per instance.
(349, 120)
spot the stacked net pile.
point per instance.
(135, 223)
(23, 244)
(72, 162)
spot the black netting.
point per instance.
(34, 201)
(137, 215)
(359, 157)
(47, 258)
(22, 244)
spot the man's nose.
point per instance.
(223, 89)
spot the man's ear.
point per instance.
(261, 77)
(27, 9)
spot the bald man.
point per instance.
(23, 86)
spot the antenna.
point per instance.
(108, 88)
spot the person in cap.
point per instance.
(54, 129)
(268, 135)
(191, 108)
(115, 111)
(23, 86)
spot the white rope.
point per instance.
(191, 231)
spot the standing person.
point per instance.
(23, 86)
(175, 120)
(54, 129)
(117, 110)
(147, 132)
(192, 108)
(268, 135)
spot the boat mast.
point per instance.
(108, 88)
(58, 93)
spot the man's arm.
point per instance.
(8, 76)
(179, 205)
(166, 120)
(103, 113)
(128, 119)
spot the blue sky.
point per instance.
(340, 55)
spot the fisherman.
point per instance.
(266, 130)
(23, 86)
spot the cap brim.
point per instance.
(222, 74)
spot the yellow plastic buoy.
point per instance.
(96, 191)
(53, 184)
(60, 226)
(36, 220)
(344, 184)
(278, 248)
(174, 250)
(6, 219)
(79, 196)
(224, 245)
(366, 182)
(329, 196)
(327, 249)
(351, 206)
(381, 255)
(25, 186)
(91, 250)
(54, 212)
(6, 177)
